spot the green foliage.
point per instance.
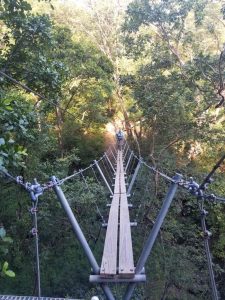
(6, 271)
(166, 87)
(13, 12)
(16, 122)
(171, 13)
(175, 90)
(4, 243)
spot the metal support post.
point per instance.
(80, 236)
(126, 143)
(76, 228)
(128, 162)
(134, 176)
(114, 149)
(153, 234)
(125, 147)
(103, 176)
(113, 155)
(125, 155)
(84, 179)
(107, 292)
(109, 161)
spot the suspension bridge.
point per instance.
(117, 264)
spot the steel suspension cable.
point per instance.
(23, 86)
(155, 170)
(131, 168)
(207, 234)
(107, 172)
(140, 204)
(26, 88)
(35, 234)
(95, 175)
(186, 183)
(61, 181)
(18, 179)
(109, 166)
(97, 207)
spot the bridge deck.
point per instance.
(118, 210)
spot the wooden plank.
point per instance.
(126, 260)
(122, 178)
(117, 180)
(109, 258)
(123, 189)
(117, 183)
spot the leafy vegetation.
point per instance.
(66, 71)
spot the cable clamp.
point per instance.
(33, 210)
(207, 234)
(200, 194)
(205, 186)
(193, 187)
(36, 190)
(210, 180)
(204, 212)
(34, 231)
(177, 181)
(56, 181)
(48, 185)
(211, 197)
(19, 179)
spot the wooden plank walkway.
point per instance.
(109, 258)
(126, 262)
(118, 211)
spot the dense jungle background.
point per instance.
(70, 72)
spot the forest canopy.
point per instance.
(69, 70)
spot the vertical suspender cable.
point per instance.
(34, 231)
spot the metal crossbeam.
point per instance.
(117, 279)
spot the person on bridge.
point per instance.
(120, 138)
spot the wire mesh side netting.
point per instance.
(88, 197)
(17, 241)
(61, 272)
(176, 256)
(177, 259)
